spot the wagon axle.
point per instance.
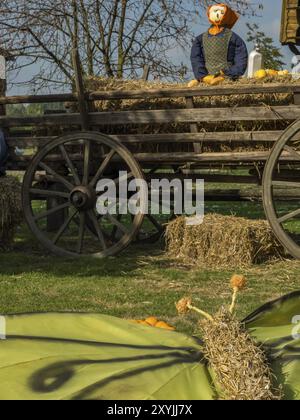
(83, 198)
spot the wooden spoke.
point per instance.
(81, 233)
(115, 229)
(70, 164)
(156, 224)
(49, 193)
(100, 235)
(58, 177)
(64, 227)
(87, 161)
(102, 168)
(118, 224)
(289, 216)
(52, 211)
(125, 177)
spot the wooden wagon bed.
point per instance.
(33, 132)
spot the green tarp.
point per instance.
(86, 356)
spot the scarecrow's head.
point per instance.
(221, 16)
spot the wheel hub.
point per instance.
(83, 198)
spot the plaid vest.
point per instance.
(216, 51)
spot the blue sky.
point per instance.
(269, 22)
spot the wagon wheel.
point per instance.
(76, 163)
(151, 231)
(154, 226)
(281, 189)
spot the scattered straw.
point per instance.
(223, 242)
(10, 210)
(240, 365)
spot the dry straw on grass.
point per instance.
(240, 365)
(223, 241)
(10, 210)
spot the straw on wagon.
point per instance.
(238, 100)
(223, 241)
(241, 367)
(10, 210)
(103, 84)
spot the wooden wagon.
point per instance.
(66, 154)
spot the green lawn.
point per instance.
(140, 282)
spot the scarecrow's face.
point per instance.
(217, 14)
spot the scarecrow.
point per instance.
(219, 52)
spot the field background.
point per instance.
(142, 281)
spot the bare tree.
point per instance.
(116, 38)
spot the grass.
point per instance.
(140, 282)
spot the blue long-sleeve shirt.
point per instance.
(237, 57)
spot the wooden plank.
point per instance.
(193, 127)
(288, 113)
(222, 157)
(245, 89)
(178, 157)
(297, 98)
(251, 194)
(207, 177)
(82, 103)
(173, 158)
(197, 115)
(28, 142)
(38, 99)
(41, 121)
(209, 137)
(146, 72)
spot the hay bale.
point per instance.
(10, 210)
(223, 241)
(241, 367)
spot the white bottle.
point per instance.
(255, 62)
(296, 67)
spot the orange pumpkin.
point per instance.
(164, 325)
(152, 321)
